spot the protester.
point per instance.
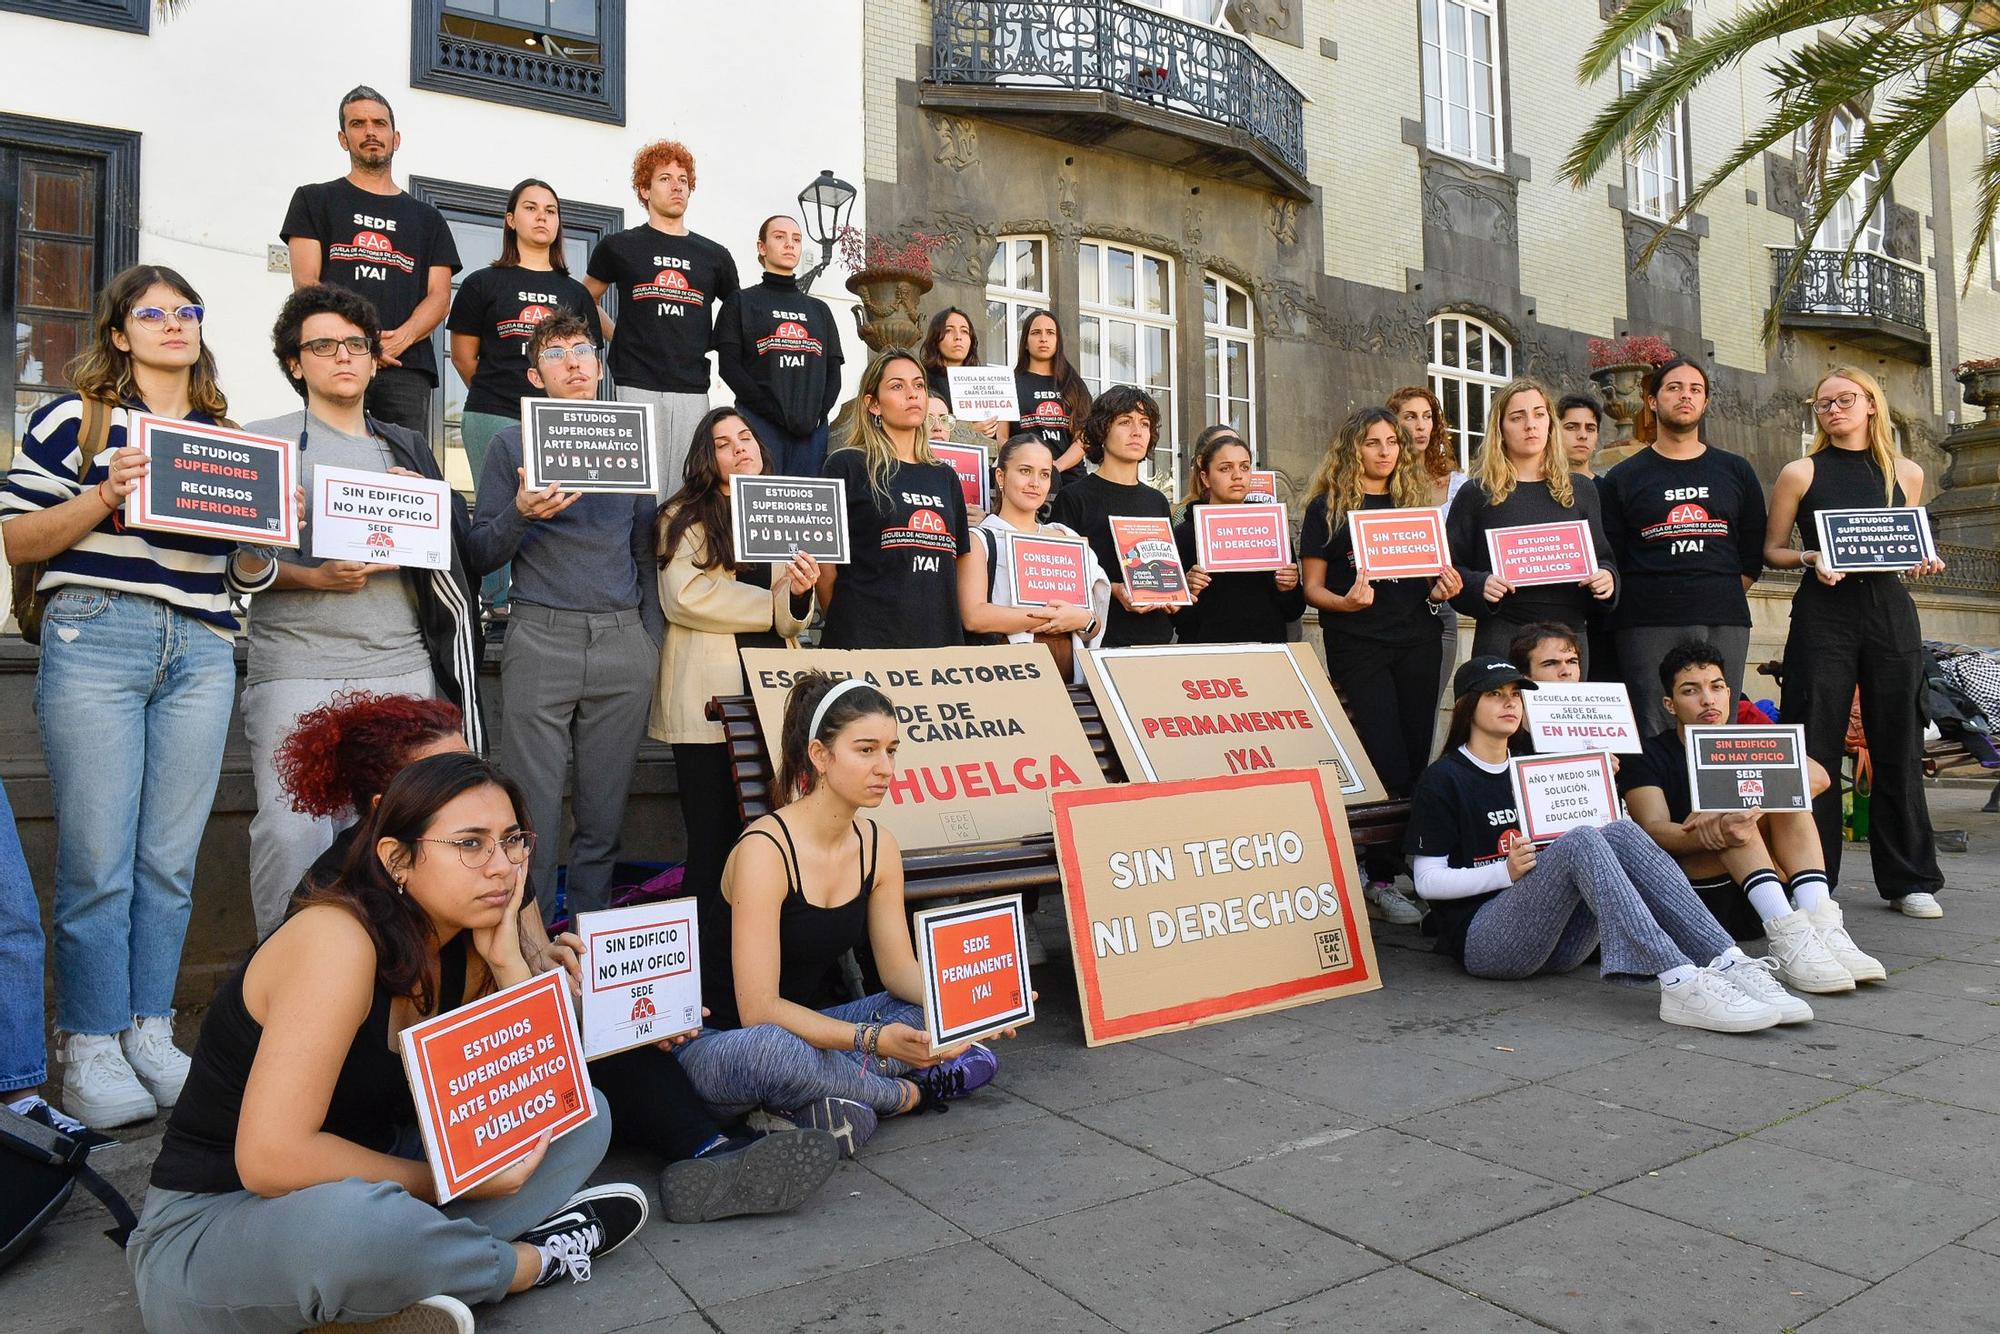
(779, 350)
(367, 235)
(1119, 433)
(1858, 630)
(1507, 909)
(668, 279)
(1422, 415)
(1054, 399)
(1241, 607)
(1023, 472)
(133, 691)
(1580, 417)
(1686, 523)
(905, 522)
(806, 884)
(950, 341)
(1549, 652)
(291, 1186)
(1382, 645)
(583, 640)
(1194, 488)
(331, 625)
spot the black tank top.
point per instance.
(371, 1096)
(811, 939)
(1843, 479)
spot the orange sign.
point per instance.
(1399, 544)
(1241, 537)
(975, 966)
(969, 462)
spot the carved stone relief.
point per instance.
(957, 141)
(1468, 202)
(1281, 219)
(1280, 20)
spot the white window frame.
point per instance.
(1220, 339)
(1015, 299)
(1656, 172)
(1459, 71)
(1449, 332)
(1844, 223)
(1098, 319)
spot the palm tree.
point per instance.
(1919, 59)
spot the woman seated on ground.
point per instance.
(291, 1187)
(805, 885)
(1507, 909)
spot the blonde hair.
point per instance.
(1339, 475)
(877, 449)
(1881, 434)
(1494, 471)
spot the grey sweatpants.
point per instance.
(1641, 648)
(238, 1263)
(674, 418)
(737, 1070)
(1612, 886)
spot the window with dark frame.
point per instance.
(122, 15)
(562, 56)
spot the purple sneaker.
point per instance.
(972, 1069)
(851, 1123)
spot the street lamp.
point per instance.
(823, 208)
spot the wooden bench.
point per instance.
(1027, 866)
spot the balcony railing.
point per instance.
(1863, 290)
(1129, 50)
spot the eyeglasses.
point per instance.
(1838, 403)
(476, 850)
(326, 347)
(577, 353)
(153, 317)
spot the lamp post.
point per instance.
(823, 209)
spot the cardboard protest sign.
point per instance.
(1048, 569)
(983, 393)
(1199, 901)
(1151, 561)
(1230, 538)
(1574, 715)
(975, 474)
(641, 975)
(1542, 553)
(1558, 793)
(1734, 768)
(772, 517)
(210, 481)
(974, 958)
(987, 733)
(1196, 710)
(488, 1078)
(380, 518)
(587, 445)
(1263, 488)
(1874, 541)
(1399, 544)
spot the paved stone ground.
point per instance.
(1443, 1155)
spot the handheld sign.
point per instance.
(1572, 715)
(587, 445)
(1874, 541)
(772, 517)
(641, 975)
(974, 959)
(1399, 544)
(1263, 488)
(1558, 793)
(488, 1078)
(380, 518)
(210, 481)
(1542, 553)
(1042, 570)
(1736, 768)
(983, 393)
(1151, 562)
(1231, 538)
(975, 474)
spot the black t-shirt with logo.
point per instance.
(501, 307)
(900, 589)
(1086, 506)
(1661, 763)
(668, 288)
(1401, 612)
(1464, 814)
(1686, 533)
(380, 246)
(1043, 410)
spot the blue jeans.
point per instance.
(24, 1049)
(134, 700)
(785, 454)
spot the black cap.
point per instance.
(1482, 674)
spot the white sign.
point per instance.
(1558, 793)
(1570, 715)
(380, 518)
(983, 393)
(641, 975)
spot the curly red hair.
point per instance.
(660, 153)
(341, 756)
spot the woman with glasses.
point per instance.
(1858, 630)
(134, 689)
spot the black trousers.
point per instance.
(1392, 693)
(653, 1106)
(713, 820)
(1863, 632)
(403, 396)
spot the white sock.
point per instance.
(1767, 895)
(1810, 890)
(1673, 977)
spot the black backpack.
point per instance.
(39, 1168)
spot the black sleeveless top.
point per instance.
(371, 1096)
(811, 939)
(1843, 479)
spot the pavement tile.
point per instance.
(626, 1289)
(1947, 1292)
(1389, 1301)
(1215, 1123)
(1871, 926)
(1061, 1077)
(1926, 1141)
(989, 1108)
(1240, 1045)
(1969, 1077)
(1955, 978)
(1518, 1045)
(1395, 1192)
(691, 1323)
(1707, 1090)
(1604, 1007)
(1985, 1239)
(1887, 1008)
(1379, 1081)
(1839, 1052)
(72, 1282)
(1387, 1014)
(1564, 1136)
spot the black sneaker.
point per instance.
(35, 1109)
(766, 1176)
(596, 1221)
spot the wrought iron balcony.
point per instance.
(1870, 300)
(1134, 78)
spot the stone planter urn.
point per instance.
(890, 314)
(1982, 389)
(1622, 387)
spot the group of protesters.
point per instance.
(396, 872)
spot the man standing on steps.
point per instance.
(364, 233)
(669, 280)
(779, 351)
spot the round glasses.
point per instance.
(153, 316)
(579, 353)
(1838, 403)
(476, 850)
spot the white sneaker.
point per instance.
(1918, 905)
(432, 1315)
(1753, 977)
(1707, 1001)
(1385, 903)
(161, 1066)
(1803, 961)
(1827, 920)
(99, 1088)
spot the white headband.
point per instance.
(826, 701)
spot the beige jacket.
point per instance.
(706, 610)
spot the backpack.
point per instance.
(39, 1168)
(91, 435)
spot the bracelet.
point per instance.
(111, 504)
(859, 1031)
(874, 1039)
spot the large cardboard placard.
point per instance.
(975, 473)
(641, 975)
(1575, 715)
(1558, 793)
(1399, 544)
(987, 733)
(1263, 488)
(380, 517)
(983, 393)
(1199, 901)
(488, 1078)
(772, 517)
(1733, 768)
(588, 445)
(1542, 553)
(1199, 710)
(1874, 540)
(1151, 561)
(1233, 538)
(974, 958)
(1048, 569)
(210, 481)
